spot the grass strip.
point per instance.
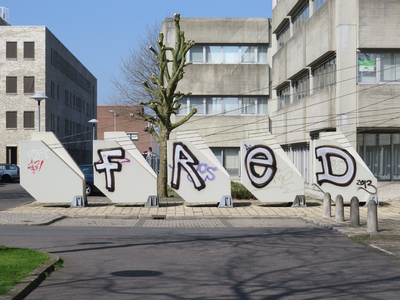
(16, 264)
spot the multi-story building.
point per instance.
(33, 60)
(336, 68)
(122, 118)
(229, 82)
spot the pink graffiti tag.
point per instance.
(35, 166)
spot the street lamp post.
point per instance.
(115, 119)
(93, 121)
(38, 97)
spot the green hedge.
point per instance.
(240, 192)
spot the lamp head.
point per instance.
(94, 121)
(38, 97)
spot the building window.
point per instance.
(196, 54)
(367, 68)
(11, 119)
(381, 153)
(248, 105)
(378, 67)
(224, 105)
(66, 131)
(11, 85)
(66, 97)
(283, 36)
(325, 75)
(29, 49)
(299, 155)
(29, 119)
(197, 102)
(229, 158)
(248, 54)
(301, 87)
(53, 90)
(232, 54)
(318, 4)
(134, 136)
(284, 96)
(300, 18)
(11, 50)
(262, 54)
(213, 54)
(29, 85)
(262, 106)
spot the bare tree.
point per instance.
(136, 68)
(159, 72)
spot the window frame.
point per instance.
(222, 55)
(26, 119)
(8, 50)
(27, 50)
(223, 156)
(298, 20)
(318, 4)
(324, 73)
(283, 36)
(29, 85)
(131, 134)
(14, 115)
(301, 87)
(8, 85)
(186, 106)
(377, 68)
(284, 96)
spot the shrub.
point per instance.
(238, 191)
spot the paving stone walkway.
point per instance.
(388, 212)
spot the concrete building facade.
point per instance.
(33, 60)
(229, 81)
(336, 68)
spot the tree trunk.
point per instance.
(162, 178)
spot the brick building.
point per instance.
(123, 118)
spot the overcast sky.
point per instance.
(100, 33)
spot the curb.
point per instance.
(33, 280)
(48, 221)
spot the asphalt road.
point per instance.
(12, 194)
(207, 263)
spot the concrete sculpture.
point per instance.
(267, 172)
(48, 172)
(120, 171)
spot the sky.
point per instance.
(101, 33)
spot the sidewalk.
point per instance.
(99, 208)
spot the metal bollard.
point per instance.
(339, 209)
(354, 212)
(327, 206)
(372, 217)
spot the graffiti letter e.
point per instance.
(261, 156)
(183, 157)
(324, 154)
(108, 166)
